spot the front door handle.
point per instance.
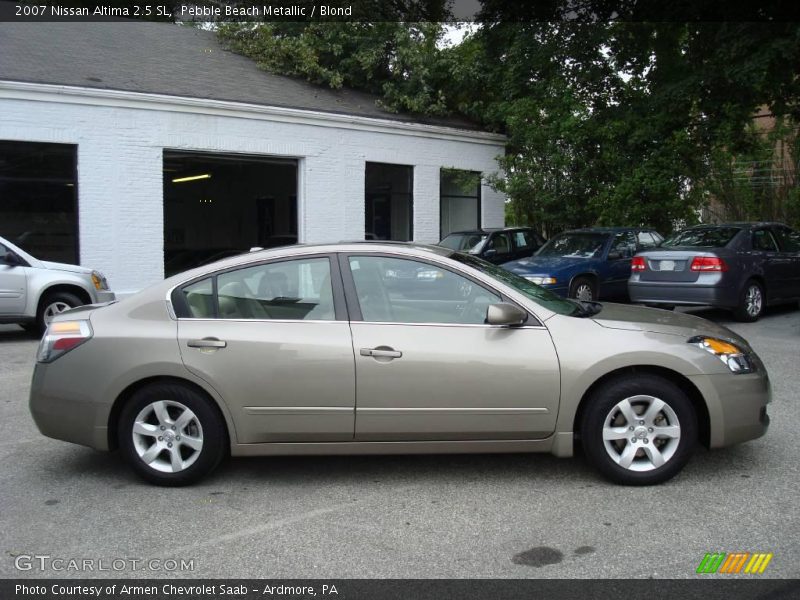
(381, 352)
(207, 343)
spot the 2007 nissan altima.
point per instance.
(327, 350)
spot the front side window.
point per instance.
(395, 290)
(500, 243)
(788, 239)
(287, 290)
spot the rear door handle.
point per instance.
(207, 343)
(381, 352)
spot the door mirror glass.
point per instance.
(505, 314)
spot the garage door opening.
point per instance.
(39, 199)
(218, 205)
(388, 202)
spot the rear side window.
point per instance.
(199, 298)
(789, 240)
(703, 237)
(524, 240)
(647, 239)
(763, 240)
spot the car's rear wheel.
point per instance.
(53, 304)
(583, 288)
(639, 430)
(171, 435)
(751, 302)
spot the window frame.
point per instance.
(183, 313)
(354, 308)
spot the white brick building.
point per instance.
(128, 146)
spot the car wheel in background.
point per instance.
(639, 430)
(751, 302)
(171, 435)
(53, 304)
(583, 288)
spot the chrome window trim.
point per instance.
(489, 282)
(396, 323)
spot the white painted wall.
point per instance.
(121, 137)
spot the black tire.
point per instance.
(212, 432)
(51, 299)
(745, 311)
(602, 406)
(583, 283)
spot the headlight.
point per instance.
(736, 359)
(99, 280)
(542, 280)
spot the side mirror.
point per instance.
(11, 259)
(489, 253)
(505, 314)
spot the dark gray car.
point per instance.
(742, 267)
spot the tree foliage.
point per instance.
(608, 121)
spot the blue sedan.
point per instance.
(587, 264)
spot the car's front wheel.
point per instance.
(171, 435)
(53, 304)
(639, 430)
(583, 288)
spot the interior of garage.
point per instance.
(388, 202)
(38, 199)
(218, 205)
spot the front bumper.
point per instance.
(102, 296)
(737, 405)
(691, 294)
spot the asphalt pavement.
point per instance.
(465, 516)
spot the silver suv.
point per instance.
(32, 291)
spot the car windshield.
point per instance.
(575, 245)
(463, 242)
(703, 237)
(538, 294)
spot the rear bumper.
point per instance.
(670, 292)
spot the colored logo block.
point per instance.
(734, 563)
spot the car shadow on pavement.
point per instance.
(14, 333)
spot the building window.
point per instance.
(388, 202)
(459, 201)
(219, 205)
(39, 199)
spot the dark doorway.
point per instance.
(388, 202)
(219, 205)
(39, 199)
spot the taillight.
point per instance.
(708, 263)
(638, 263)
(61, 337)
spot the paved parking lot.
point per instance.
(417, 516)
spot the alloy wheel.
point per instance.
(753, 300)
(51, 310)
(584, 292)
(167, 436)
(641, 433)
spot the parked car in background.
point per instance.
(33, 291)
(741, 267)
(587, 264)
(267, 352)
(495, 245)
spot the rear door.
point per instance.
(618, 270)
(428, 368)
(273, 340)
(789, 246)
(773, 265)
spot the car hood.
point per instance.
(65, 267)
(544, 265)
(654, 320)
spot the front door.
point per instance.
(428, 368)
(274, 342)
(13, 286)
